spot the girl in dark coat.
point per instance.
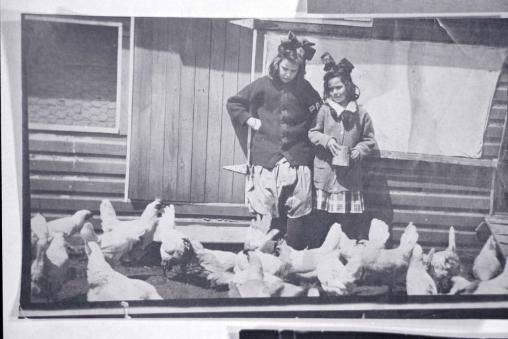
(280, 108)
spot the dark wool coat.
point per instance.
(353, 129)
(286, 112)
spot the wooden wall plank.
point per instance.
(202, 45)
(498, 111)
(88, 185)
(188, 57)
(494, 131)
(73, 145)
(62, 164)
(140, 161)
(490, 149)
(426, 200)
(425, 183)
(439, 239)
(501, 93)
(45, 202)
(228, 134)
(216, 107)
(158, 97)
(244, 74)
(135, 137)
(172, 109)
(459, 219)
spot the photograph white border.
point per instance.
(103, 328)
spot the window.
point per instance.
(73, 74)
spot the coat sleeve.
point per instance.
(316, 135)
(238, 106)
(367, 142)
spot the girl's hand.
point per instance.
(355, 154)
(333, 146)
(254, 123)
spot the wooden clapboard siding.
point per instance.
(182, 133)
(497, 117)
(172, 109)
(201, 110)
(67, 165)
(216, 109)
(244, 76)
(227, 145)
(157, 106)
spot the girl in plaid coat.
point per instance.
(340, 122)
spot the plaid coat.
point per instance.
(353, 129)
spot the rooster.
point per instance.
(119, 242)
(486, 265)
(418, 280)
(106, 284)
(71, 224)
(176, 247)
(445, 264)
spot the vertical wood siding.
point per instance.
(185, 70)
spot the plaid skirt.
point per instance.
(341, 202)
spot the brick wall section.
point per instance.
(71, 74)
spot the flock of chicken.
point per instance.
(264, 268)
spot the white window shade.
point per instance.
(423, 97)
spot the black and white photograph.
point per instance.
(319, 165)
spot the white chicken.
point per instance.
(259, 236)
(418, 280)
(40, 243)
(49, 269)
(108, 216)
(71, 224)
(486, 265)
(106, 284)
(445, 264)
(38, 230)
(375, 258)
(335, 277)
(306, 261)
(124, 235)
(56, 265)
(271, 264)
(176, 247)
(378, 235)
(217, 265)
(497, 285)
(251, 283)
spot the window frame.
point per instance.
(118, 102)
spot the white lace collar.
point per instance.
(352, 106)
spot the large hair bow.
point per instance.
(344, 66)
(303, 48)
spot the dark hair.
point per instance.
(341, 70)
(291, 55)
(352, 91)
